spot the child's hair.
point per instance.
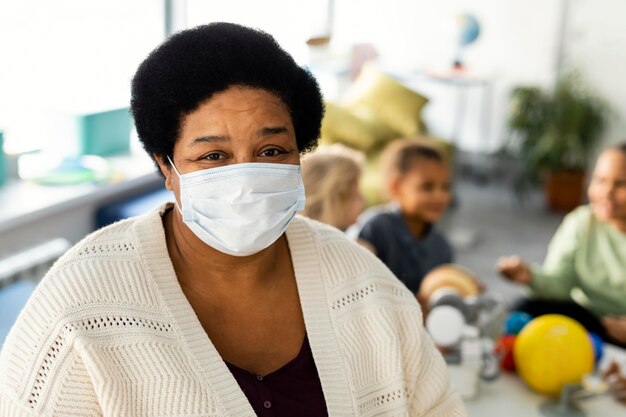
(329, 175)
(402, 154)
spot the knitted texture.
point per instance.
(109, 332)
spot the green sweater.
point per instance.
(586, 262)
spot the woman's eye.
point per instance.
(271, 152)
(214, 156)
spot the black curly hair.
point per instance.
(192, 65)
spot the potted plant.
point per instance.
(554, 134)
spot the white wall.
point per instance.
(71, 56)
(517, 45)
(596, 44)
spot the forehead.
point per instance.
(237, 104)
(611, 160)
(427, 167)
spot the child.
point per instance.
(584, 273)
(331, 181)
(404, 237)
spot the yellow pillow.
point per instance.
(371, 184)
(340, 125)
(393, 102)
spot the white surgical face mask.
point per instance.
(241, 209)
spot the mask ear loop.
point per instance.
(187, 215)
(174, 166)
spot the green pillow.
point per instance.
(358, 131)
(394, 103)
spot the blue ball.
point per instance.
(598, 346)
(516, 322)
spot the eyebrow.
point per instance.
(266, 131)
(209, 139)
(269, 131)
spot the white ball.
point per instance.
(445, 325)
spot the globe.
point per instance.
(469, 29)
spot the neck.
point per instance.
(619, 224)
(416, 225)
(202, 269)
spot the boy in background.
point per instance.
(417, 180)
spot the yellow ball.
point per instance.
(551, 351)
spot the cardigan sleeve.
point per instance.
(433, 395)
(41, 372)
(10, 407)
(557, 276)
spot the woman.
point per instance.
(223, 303)
(331, 178)
(584, 274)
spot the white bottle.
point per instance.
(471, 359)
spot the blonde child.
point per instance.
(331, 177)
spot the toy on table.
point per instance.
(452, 277)
(503, 349)
(457, 315)
(446, 290)
(552, 351)
(598, 347)
(516, 321)
(556, 356)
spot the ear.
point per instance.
(393, 186)
(166, 169)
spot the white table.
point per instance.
(509, 396)
(32, 213)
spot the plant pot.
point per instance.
(564, 189)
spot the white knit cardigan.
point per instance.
(109, 332)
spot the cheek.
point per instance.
(356, 207)
(592, 192)
(358, 202)
(620, 199)
(446, 195)
(418, 198)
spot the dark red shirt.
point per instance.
(293, 390)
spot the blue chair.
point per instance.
(133, 206)
(13, 298)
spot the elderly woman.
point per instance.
(223, 303)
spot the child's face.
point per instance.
(354, 205)
(423, 193)
(607, 189)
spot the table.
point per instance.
(509, 396)
(32, 213)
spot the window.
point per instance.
(60, 59)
